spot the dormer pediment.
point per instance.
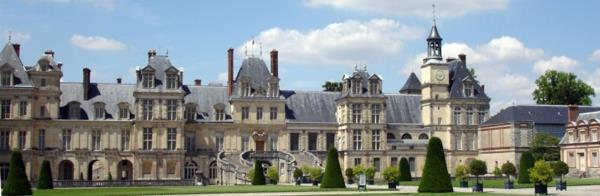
(172, 70)
(6, 67)
(148, 69)
(375, 77)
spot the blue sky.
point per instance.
(508, 42)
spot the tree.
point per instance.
(250, 174)
(17, 182)
(332, 86)
(561, 88)
(524, 165)
(349, 174)
(435, 174)
(478, 168)
(545, 146)
(405, 170)
(273, 174)
(508, 169)
(497, 172)
(45, 177)
(391, 174)
(368, 170)
(315, 173)
(461, 172)
(298, 173)
(259, 176)
(560, 169)
(333, 173)
(541, 172)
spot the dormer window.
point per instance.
(355, 86)
(219, 111)
(148, 80)
(99, 110)
(374, 87)
(468, 89)
(190, 112)
(172, 81)
(245, 89)
(123, 111)
(7, 78)
(273, 89)
(74, 110)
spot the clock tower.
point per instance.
(435, 109)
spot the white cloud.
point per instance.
(108, 5)
(595, 56)
(509, 48)
(97, 43)
(349, 42)
(560, 63)
(421, 8)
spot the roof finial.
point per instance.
(433, 12)
(260, 48)
(167, 53)
(9, 36)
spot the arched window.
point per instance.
(406, 136)
(190, 170)
(423, 136)
(65, 170)
(390, 136)
(212, 170)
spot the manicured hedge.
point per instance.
(436, 178)
(333, 173)
(525, 164)
(404, 170)
(259, 175)
(45, 177)
(17, 182)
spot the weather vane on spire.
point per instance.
(9, 36)
(433, 12)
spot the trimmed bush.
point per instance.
(478, 168)
(541, 172)
(435, 174)
(560, 169)
(273, 174)
(315, 173)
(45, 177)
(17, 182)
(524, 165)
(298, 173)
(391, 174)
(333, 173)
(250, 174)
(509, 169)
(497, 172)
(259, 176)
(349, 174)
(405, 170)
(461, 172)
(109, 176)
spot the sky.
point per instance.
(509, 43)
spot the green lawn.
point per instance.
(430, 194)
(499, 183)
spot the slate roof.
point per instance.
(256, 71)
(589, 116)
(458, 75)
(538, 114)
(364, 77)
(9, 57)
(161, 64)
(109, 94)
(403, 108)
(411, 84)
(310, 106)
(434, 34)
(205, 98)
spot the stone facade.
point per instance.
(580, 146)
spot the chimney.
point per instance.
(119, 80)
(17, 48)
(197, 82)
(49, 52)
(86, 83)
(274, 63)
(60, 64)
(572, 113)
(463, 58)
(229, 71)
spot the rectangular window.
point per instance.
(245, 141)
(5, 109)
(22, 108)
(375, 112)
(219, 142)
(190, 142)
(357, 161)
(273, 113)
(41, 140)
(259, 113)
(96, 140)
(481, 117)
(4, 140)
(373, 87)
(312, 141)
(66, 139)
(171, 138)
(394, 161)
(356, 113)
(99, 111)
(22, 138)
(245, 113)
(43, 82)
(377, 164)
(3, 171)
(147, 139)
(273, 142)
(469, 117)
(171, 109)
(190, 113)
(456, 117)
(411, 163)
(148, 80)
(6, 78)
(376, 138)
(595, 159)
(124, 112)
(42, 111)
(356, 88)
(147, 105)
(171, 81)
(330, 140)
(219, 114)
(294, 141)
(171, 167)
(125, 140)
(356, 139)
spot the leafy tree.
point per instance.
(497, 172)
(478, 168)
(545, 146)
(524, 165)
(17, 182)
(435, 174)
(561, 88)
(250, 174)
(315, 173)
(461, 172)
(391, 174)
(368, 170)
(508, 169)
(45, 177)
(273, 174)
(560, 169)
(332, 86)
(405, 170)
(541, 172)
(306, 169)
(349, 173)
(259, 176)
(298, 173)
(333, 173)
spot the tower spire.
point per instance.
(433, 13)
(434, 40)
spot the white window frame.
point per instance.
(357, 139)
(5, 108)
(147, 80)
(376, 139)
(172, 81)
(245, 113)
(125, 135)
(96, 140)
(171, 138)
(356, 113)
(375, 113)
(171, 109)
(147, 138)
(147, 109)
(66, 139)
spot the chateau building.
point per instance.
(580, 145)
(161, 129)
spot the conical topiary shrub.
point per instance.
(404, 170)
(435, 174)
(333, 173)
(259, 175)
(525, 164)
(45, 177)
(17, 182)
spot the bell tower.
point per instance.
(435, 76)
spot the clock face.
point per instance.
(439, 75)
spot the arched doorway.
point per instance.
(190, 170)
(65, 170)
(212, 172)
(259, 140)
(125, 170)
(96, 171)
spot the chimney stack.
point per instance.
(229, 71)
(86, 83)
(463, 58)
(49, 52)
(572, 113)
(17, 48)
(274, 63)
(119, 80)
(197, 82)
